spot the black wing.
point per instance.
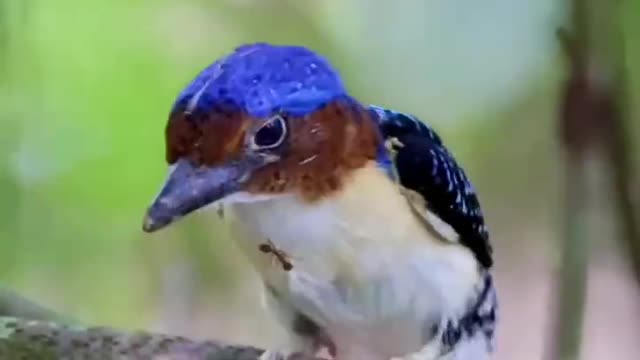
(424, 165)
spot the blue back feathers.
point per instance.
(262, 78)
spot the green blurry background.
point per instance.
(86, 86)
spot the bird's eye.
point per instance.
(271, 134)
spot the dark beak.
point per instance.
(189, 188)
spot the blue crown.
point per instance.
(262, 78)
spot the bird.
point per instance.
(390, 256)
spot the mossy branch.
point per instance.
(41, 340)
(22, 339)
(29, 331)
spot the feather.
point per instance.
(435, 185)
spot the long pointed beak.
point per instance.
(189, 188)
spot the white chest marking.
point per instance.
(364, 266)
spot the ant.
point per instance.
(270, 248)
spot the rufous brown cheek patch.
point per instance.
(323, 148)
(206, 138)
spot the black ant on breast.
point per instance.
(281, 256)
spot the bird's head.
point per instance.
(262, 121)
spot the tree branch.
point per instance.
(31, 332)
(591, 120)
(39, 340)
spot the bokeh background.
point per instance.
(85, 90)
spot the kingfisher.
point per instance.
(367, 235)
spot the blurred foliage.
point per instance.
(85, 88)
